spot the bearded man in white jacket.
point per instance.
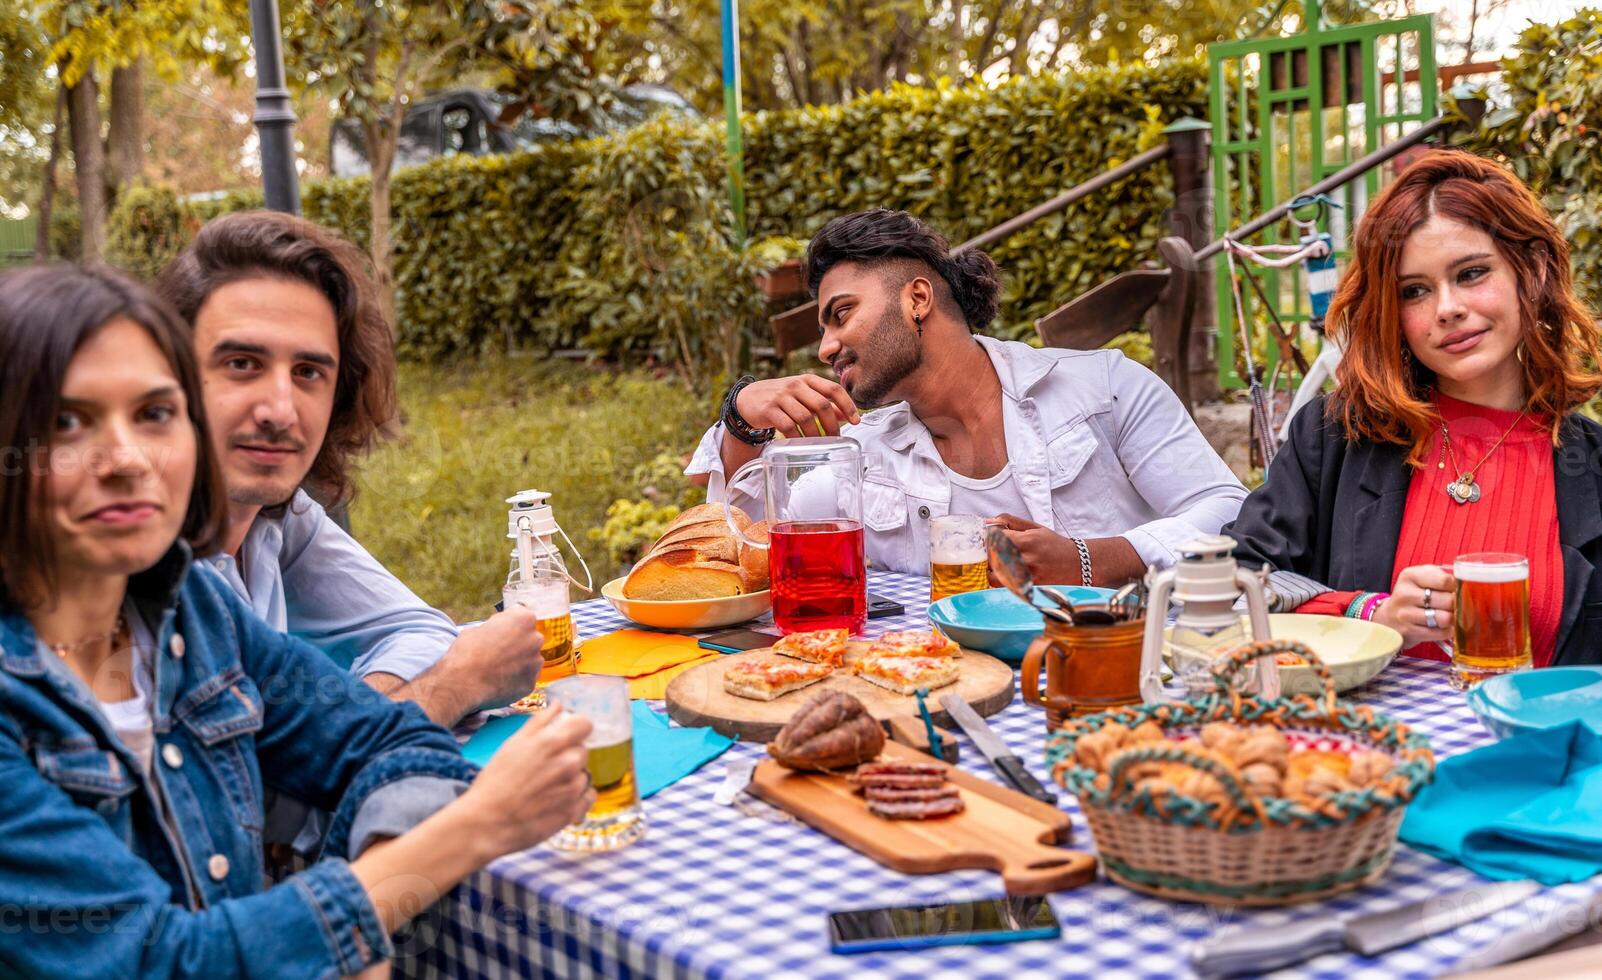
(1088, 459)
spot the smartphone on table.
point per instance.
(738, 641)
(880, 606)
(996, 920)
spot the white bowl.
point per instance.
(1354, 650)
(686, 614)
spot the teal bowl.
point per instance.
(1529, 700)
(996, 622)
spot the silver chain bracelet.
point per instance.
(1084, 559)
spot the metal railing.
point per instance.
(800, 321)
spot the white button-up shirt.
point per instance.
(1099, 447)
(305, 576)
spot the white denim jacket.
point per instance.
(1099, 447)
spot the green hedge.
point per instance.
(1547, 125)
(967, 159)
(622, 244)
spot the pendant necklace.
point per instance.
(63, 650)
(1464, 490)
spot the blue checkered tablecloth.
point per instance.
(712, 892)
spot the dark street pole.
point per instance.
(275, 120)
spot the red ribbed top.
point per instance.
(1516, 512)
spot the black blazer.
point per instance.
(1332, 510)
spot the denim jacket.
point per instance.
(107, 872)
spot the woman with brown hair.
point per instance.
(1454, 427)
(143, 708)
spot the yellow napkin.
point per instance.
(654, 686)
(649, 660)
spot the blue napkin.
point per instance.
(662, 755)
(1529, 806)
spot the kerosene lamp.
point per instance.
(1204, 586)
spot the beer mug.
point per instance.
(1491, 626)
(545, 594)
(958, 561)
(616, 819)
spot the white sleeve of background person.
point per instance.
(1169, 463)
(342, 600)
(708, 458)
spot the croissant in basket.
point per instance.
(1261, 754)
(698, 557)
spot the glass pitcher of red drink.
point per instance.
(812, 492)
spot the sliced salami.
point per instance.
(897, 769)
(901, 782)
(921, 810)
(886, 795)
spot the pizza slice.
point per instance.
(904, 675)
(816, 646)
(914, 643)
(765, 680)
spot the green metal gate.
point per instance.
(16, 241)
(1371, 83)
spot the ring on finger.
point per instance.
(1429, 619)
(1427, 598)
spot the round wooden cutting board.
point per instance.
(696, 698)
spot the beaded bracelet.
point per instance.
(1363, 604)
(735, 424)
(1373, 604)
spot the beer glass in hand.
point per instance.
(616, 819)
(958, 561)
(546, 594)
(1491, 626)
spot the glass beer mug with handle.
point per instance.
(958, 561)
(616, 818)
(812, 498)
(1491, 624)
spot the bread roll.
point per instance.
(754, 561)
(696, 558)
(680, 575)
(710, 513)
(724, 548)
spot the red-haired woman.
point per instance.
(1453, 429)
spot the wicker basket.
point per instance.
(1248, 850)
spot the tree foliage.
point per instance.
(1546, 123)
(621, 245)
(806, 52)
(373, 59)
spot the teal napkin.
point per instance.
(663, 755)
(1529, 806)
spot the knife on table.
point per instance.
(1255, 949)
(1002, 759)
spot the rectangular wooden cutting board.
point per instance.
(1000, 829)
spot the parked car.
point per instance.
(468, 121)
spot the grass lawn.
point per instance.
(431, 504)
